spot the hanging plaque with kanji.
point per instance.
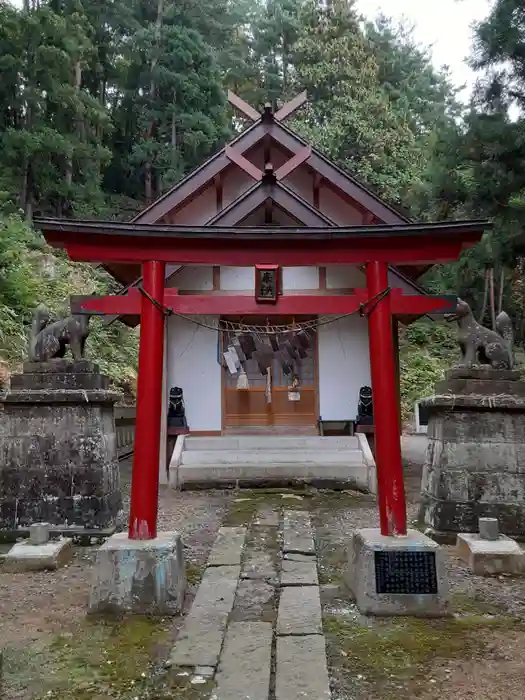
(267, 283)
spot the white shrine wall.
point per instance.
(343, 366)
(192, 365)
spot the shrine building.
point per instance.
(268, 177)
(267, 234)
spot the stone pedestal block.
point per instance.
(24, 556)
(58, 450)
(490, 557)
(146, 577)
(392, 576)
(475, 463)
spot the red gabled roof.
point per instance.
(268, 126)
(287, 139)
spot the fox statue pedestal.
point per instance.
(475, 463)
(58, 450)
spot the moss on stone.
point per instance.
(465, 604)
(331, 565)
(240, 512)
(333, 501)
(194, 574)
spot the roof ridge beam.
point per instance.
(287, 110)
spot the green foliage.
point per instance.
(376, 104)
(349, 116)
(427, 349)
(32, 273)
(103, 106)
(478, 169)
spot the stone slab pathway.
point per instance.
(255, 625)
(299, 611)
(297, 533)
(301, 669)
(245, 663)
(299, 573)
(228, 547)
(200, 640)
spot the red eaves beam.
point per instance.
(211, 304)
(248, 253)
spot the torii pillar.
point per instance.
(150, 576)
(146, 453)
(390, 487)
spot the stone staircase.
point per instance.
(273, 460)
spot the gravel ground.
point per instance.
(476, 656)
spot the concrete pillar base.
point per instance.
(146, 577)
(392, 576)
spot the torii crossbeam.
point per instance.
(130, 304)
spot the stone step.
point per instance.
(267, 457)
(270, 442)
(356, 476)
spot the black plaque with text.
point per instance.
(399, 571)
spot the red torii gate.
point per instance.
(372, 246)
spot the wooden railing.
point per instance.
(125, 429)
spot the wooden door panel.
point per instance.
(249, 407)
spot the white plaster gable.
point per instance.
(192, 278)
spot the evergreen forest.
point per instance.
(105, 104)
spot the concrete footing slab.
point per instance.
(391, 576)
(139, 576)
(25, 556)
(488, 557)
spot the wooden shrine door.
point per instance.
(273, 403)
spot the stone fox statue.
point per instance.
(49, 340)
(480, 345)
